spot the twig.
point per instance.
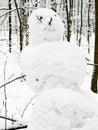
(92, 64)
(2, 117)
(4, 9)
(14, 127)
(5, 95)
(12, 80)
(27, 105)
(17, 9)
(2, 22)
(17, 127)
(9, 12)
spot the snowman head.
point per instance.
(45, 25)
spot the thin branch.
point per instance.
(92, 64)
(9, 12)
(5, 95)
(27, 105)
(12, 80)
(4, 9)
(17, 127)
(2, 22)
(17, 9)
(2, 117)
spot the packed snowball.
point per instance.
(45, 25)
(64, 109)
(54, 64)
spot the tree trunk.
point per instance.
(88, 35)
(10, 27)
(95, 76)
(81, 22)
(21, 27)
(77, 21)
(68, 21)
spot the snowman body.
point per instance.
(49, 61)
(56, 69)
(54, 64)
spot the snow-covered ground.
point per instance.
(20, 96)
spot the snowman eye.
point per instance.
(50, 21)
(39, 18)
(37, 79)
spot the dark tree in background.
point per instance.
(10, 27)
(88, 35)
(68, 13)
(20, 26)
(95, 76)
(81, 26)
(24, 14)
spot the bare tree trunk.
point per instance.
(95, 76)
(24, 14)
(88, 35)
(10, 27)
(68, 21)
(81, 21)
(21, 27)
(77, 22)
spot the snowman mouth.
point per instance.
(49, 29)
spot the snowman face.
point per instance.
(45, 25)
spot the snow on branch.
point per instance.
(4, 9)
(92, 64)
(12, 80)
(2, 117)
(6, 13)
(16, 127)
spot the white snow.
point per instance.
(18, 93)
(54, 64)
(39, 28)
(57, 69)
(64, 109)
(48, 63)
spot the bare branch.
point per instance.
(21, 126)
(9, 12)
(2, 117)
(92, 64)
(5, 95)
(27, 105)
(17, 9)
(17, 127)
(4, 9)
(12, 80)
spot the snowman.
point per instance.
(48, 61)
(55, 70)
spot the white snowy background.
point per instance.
(20, 98)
